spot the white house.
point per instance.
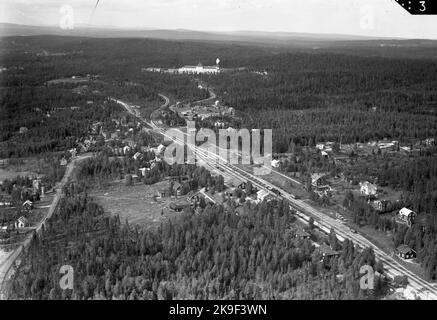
(73, 152)
(324, 154)
(261, 195)
(143, 171)
(27, 203)
(275, 163)
(137, 156)
(21, 222)
(318, 179)
(158, 150)
(407, 215)
(368, 189)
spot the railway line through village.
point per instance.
(422, 288)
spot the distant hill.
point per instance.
(344, 44)
(10, 29)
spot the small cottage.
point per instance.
(405, 252)
(21, 222)
(407, 215)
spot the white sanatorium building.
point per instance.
(199, 69)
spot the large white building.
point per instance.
(200, 69)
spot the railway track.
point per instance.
(423, 289)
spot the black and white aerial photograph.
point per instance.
(218, 155)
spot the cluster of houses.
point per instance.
(325, 148)
(257, 196)
(35, 192)
(30, 194)
(370, 191)
(173, 189)
(21, 222)
(201, 112)
(320, 185)
(120, 151)
(388, 146)
(86, 144)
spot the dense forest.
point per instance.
(213, 255)
(43, 109)
(307, 98)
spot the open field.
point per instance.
(135, 203)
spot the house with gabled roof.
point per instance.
(302, 234)
(237, 183)
(21, 222)
(28, 205)
(318, 179)
(177, 188)
(137, 156)
(407, 215)
(405, 252)
(180, 205)
(327, 251)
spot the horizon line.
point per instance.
(278, 32)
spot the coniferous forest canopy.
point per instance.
(304, 96)
(212, 255)
(339, 94)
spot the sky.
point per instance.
(380, 18)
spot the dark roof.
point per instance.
(181, 204)
(235, 182)
(302, 233)
(239, 210)
(317, 176)
(403, 248)
(327, 251)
